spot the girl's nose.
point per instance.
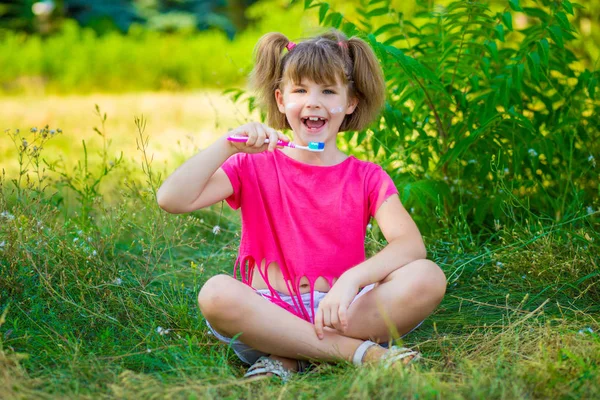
(313, 102)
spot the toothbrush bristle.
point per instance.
(316, 146)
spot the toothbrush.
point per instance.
(312, 146)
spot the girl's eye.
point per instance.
(327, 91)
(299, 91)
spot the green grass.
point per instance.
(86, 280)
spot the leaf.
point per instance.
(334, 19)
(378, 11)
(557, 35)
(507, 19)
(563, 21)
(361, 137)
(376, 147)
(592, 87)
(323, 11)
(517, 75)
(568, 6)
(384, 28)
(493, 48)
(394, 39)
(514, 4)
(533, 62)
(500, 32)
(307, 4)
(544, 50)
(475, 82)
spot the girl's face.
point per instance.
(315, 111)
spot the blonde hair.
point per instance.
(324, 59)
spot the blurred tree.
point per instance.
(102, 16)
(17, 15)
(107, 15)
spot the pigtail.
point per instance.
(266, 75)
(368, 85)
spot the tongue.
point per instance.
(315, 124)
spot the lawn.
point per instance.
(98, 285)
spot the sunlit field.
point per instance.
(177, 124)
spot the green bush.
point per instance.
(484, 119)
(78, 60)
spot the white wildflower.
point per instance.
(94, 253)
(592, 160)
(585, 330)
(369, 226)
(497, 225)
(412, 210)
(7, 215)
(532, 153)
(148, 351)
(75, 240)
(216, 229)
(589, 210)
(118, 281)
(162, 331)
(499, 264)
(506, 171)
(79, 233)
(2, 244)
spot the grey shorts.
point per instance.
(249, 355)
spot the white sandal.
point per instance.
(391, 357)
(265, 365)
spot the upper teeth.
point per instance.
(314, 118)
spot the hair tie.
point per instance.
(343, 44)
(290, 46)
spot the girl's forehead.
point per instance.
(309, 82)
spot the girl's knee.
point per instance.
(219, 296)
(432, 279)
(427, 280)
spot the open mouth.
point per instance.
(314, 123)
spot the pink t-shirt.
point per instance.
(311, 220)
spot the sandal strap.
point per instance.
(357, 358)
(265, 365)
(395, 354)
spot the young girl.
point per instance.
(306, 290)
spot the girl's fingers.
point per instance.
(335, 319)
(273, 138)
(261, 135)
(343, 316)
(282, 137)
(319, 323)
(327, 317)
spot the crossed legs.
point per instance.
(399, 302)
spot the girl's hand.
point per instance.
(256, 133)
(333, 309)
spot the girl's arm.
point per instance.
(200, 182)
(405, 244)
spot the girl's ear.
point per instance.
(279, 100)
(352, 103)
